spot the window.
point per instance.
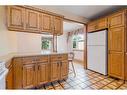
(78, 42)
(46, 44)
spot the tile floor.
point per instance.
(86, 80)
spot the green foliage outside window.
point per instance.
(45, 44)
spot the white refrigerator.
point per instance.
(97, 51)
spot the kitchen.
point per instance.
(32, 68)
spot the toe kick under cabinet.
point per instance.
(34, 71)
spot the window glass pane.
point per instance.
(78, 41)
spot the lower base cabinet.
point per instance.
(9, 78)
(31, 72)
(116, 65)
(42, 73)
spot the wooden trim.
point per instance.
(85, 48)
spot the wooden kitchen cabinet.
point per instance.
(33, 71)
(55, 70)
(116, 39)
(32, 20)
(29, 76)
(9, 78)
(46, 23)
(42, 73)
(58, 25)
(102, 23)
(15, 17)
(59, 67)
(64, 69)
(116, 65)
(116, 19)
(91, 26)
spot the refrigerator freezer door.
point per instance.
(96, 38)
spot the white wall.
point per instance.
(28, 42)
(62, 42)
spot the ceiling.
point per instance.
(71, 26)
(86, 11)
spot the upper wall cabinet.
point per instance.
(58, 25)
(102, 23)
(91, 26)
(116, 20)
(32, 20)
(46, 22)
(15, 17)
(97, 24)
(27, 19)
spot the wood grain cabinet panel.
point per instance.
(91, 26)
(46, 23)
(58, 25)
(32, 20)
(102, 24)
(15, 17)
(116, 19)
(116, 39)
(42, 73)
(116, 65)
(9, 78)
(29, 76)
(64, 69)
(55, 70)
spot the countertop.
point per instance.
(7, 58)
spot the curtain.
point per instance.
(75, 32)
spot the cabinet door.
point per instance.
(91, 26)
(102, 23)
(116, 20)
(32, 20)
(15, 17)
(64, 69)
(116, 65)
(29, 76)
(58, 25)
(42, 74)
(55, 71)
(9, 79)
(46, 23)
(116, 39)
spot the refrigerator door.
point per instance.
(96, 38)
(96, 59)
(97, 51)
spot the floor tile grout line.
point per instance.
(107, 84)
(120, 85)
(97, 81)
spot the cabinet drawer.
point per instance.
(29, 60)
(42, 59)
(59, 57)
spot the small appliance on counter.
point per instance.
(3, 73)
